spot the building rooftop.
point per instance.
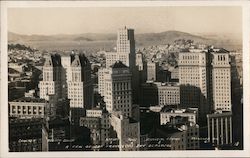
(166, 84)
(52, 60)
(187, 50)
(30, 99)
(166, 109)
(79, 60)
(27, 121)
(219, 114)
(13, 71)
(118, 64)
(219, 50)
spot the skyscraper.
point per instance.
(80, 90)
(221, 80)
(205, 76)
(118, 90)
(69, 78)
(194, 79)
(80, 87)
(220, 127)
(125, 41)
(125, 49)
(51, 83)
(126, 54)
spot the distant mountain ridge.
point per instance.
(167, 35)
(12, 37)
(108, 40)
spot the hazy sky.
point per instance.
(49, 21)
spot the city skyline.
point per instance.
(225, 20)
(139, 102)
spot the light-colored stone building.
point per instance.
(221, 80)
(152, 69)
(194, 79)
(167, 114)
(220, 128)
(80, 90)
(118, 90)
(28, 107)
(51, 83)
(168, 93)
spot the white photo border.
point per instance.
(245, 5)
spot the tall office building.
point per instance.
(112, 57)
(118, 89)
(51, 83)
(125, 49)
(126, 43)
(220, 121)
(68, 77)
(194, 79)
(80, 90)
(221, 80)
(125, 52)
(205, 79)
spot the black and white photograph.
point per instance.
(124, 78)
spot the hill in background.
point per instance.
(92, 42)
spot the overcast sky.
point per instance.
(48, 21)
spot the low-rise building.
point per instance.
(152, 70)
(220, 128)
(128, 132)
(168, 93)
(179, 134)
(27, 107)
(97, 120)
(28, 135)
(168, 113)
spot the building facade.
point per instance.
(101, 81)
(168, 93)
(152, 70)
(220, 128)
(80, 90)
(66, 73)
(128, 132)
(167, 114)
(51, 83)
(205, 78)
(27, 135)
(118, 89)
(221, 80)
(194, 79)
(28, 108)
